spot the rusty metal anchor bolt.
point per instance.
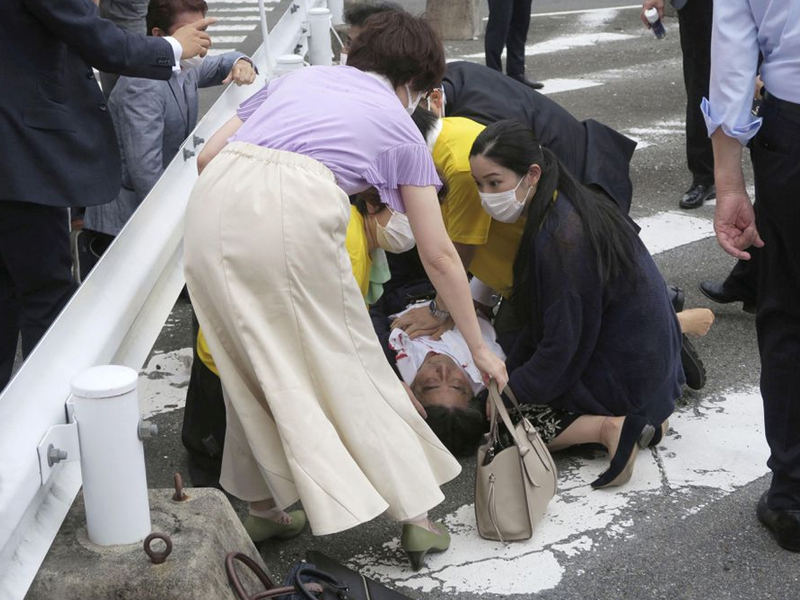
(179, 496)
(157, 557)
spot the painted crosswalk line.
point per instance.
(667, 230)
(566, 42)
(580, 518)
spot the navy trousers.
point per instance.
(507, 28)
(695, 21)
(35, 275)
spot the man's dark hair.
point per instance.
(404, 48)
(459, 429)
(162, 13)
(356, 13)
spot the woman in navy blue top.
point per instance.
(600, 350)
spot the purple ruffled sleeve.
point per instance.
(249, 106)
(405, 164)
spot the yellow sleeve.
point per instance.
(467, 222)
(204, 354)
(358, 249)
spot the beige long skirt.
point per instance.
(314, 410)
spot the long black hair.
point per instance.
(514, 146)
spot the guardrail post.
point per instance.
(286, 63)
(112, 455)
(319, 41)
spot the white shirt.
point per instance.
(411, 353)
(742, 28)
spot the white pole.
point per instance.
(319, 43)
(112, 455)
(337, 11)
(262, 11)
(286, 63)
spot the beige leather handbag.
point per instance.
(513, 485)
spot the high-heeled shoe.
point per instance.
(261, 529)
(636, 433)
(418, 542)
(659, 434)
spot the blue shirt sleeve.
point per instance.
(734, 60)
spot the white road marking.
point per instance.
(237, 18)
(555, 86)
(229, 39)
(566, 42)
(163, 382)
(248, 27)
(731, 432)
(653, 136)
(583, 11)
(667, 230)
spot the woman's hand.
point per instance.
(420, 321)
(491, 366)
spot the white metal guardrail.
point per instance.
(114, 318)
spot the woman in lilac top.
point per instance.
(314, 410)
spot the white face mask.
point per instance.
(343, 58)
(412, 105)
(504, 206)
(191, 63)
(396, 237)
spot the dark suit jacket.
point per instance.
(57, 139)
(594, 153)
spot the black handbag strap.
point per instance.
(337, 586)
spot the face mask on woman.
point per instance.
(504, 206)
(412, 104)
(396, 237)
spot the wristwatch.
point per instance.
(438, 313)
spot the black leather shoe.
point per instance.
(719, 294)
(784, 524)
(677, 297)
(537, 85)
(697, 194)
(693, 367)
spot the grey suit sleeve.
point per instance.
(101, 43)
(139, 119)
(216, 68)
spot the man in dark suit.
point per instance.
(507, 28)
(59, 149)
(594, 153)
(694, 18)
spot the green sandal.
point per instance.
(260, 528)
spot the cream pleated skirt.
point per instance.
(314, 410)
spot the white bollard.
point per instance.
(112, 455)
(319, 41)
(337, 11)
(287, 63)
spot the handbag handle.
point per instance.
(500, 408)
(233, 577)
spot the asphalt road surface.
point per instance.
(685, 526)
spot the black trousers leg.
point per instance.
(695, 30)
(517, 36)
(776, 162)
(497, 27)
(204, 421)
(743, 278)
(35, 275)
